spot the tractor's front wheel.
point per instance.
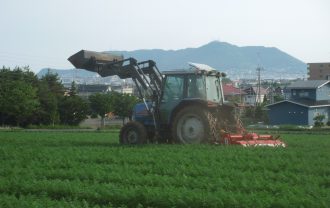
(191, 125)
(133, 133)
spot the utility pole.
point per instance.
(258, 96)
(271, 92)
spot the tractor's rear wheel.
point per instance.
(133, 133)
(191, 125)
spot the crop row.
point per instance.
(132, 195)
(86, 170)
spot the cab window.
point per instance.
(213, 88)
(173, 89)
(196, 86)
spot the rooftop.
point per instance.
(306, 102)
(229, 89)
(308, 84)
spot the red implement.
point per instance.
(251, 139)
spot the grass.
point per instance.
(55, 127)
(90, 169)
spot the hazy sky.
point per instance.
(44, 33)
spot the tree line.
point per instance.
(26, 100)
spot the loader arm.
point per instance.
(145, 74)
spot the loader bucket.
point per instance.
(88, 59)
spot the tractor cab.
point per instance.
(195, 86)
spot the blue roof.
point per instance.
(305, 102)
(308, 84)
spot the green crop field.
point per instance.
(90, 169)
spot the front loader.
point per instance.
(182, 106)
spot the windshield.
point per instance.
(173, 88)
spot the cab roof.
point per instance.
(187, 72)
(195, 68)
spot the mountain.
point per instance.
(234, 60)
(237, 62)
(67, 73)
(79, 76)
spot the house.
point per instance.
(127, 90)
(308, 99)
(232, 93)
(252, 96)
(318, 71)
(87, 90)
(287, 93)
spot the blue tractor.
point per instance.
(181, 106)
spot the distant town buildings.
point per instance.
(255, 95)
(232, 93)
(318, 71)
(87, 90)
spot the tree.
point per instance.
(123, 105)
(54, 84)
(318, 120)
(278, 98)
(48, 110)
(226, 80)
(18, 100)
(18, 95)
(101, 104)
(73, 89)
(260, 114)
(256, 114)
(249, 112)
(72, 110)
(50, 93)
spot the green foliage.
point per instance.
(226, 80)
(255, 114)
(51, 92)
(47, 127)
(101, 103)
(90, 169)
(258, 112)
(24, 96)
(120, 104)
(249, 112)
(48, 111)
(73, 89)
(18, 100)
(278, 98)
(289, 127)
(123, 104)
(54, 84)
(26, 100)
(318, 120)
(73, 110)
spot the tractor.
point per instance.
(178, 106)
